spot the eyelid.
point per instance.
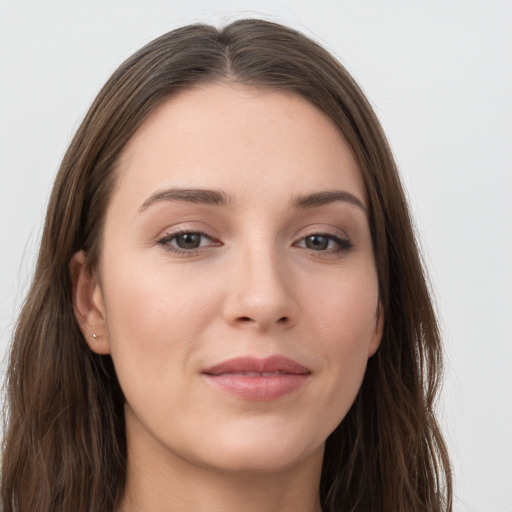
(325, 229)
(333, 233)
(187, 226)
(165, 239)
(342, 243)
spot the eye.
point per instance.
(324, 242)
(186, 241)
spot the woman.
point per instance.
(229, 310)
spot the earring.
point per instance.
(94, 336)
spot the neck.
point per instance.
(160, 481)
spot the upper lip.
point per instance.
(248, 364)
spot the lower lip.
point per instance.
(262, 388)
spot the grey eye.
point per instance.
(317, 242)
(187, 242)
(323, 242)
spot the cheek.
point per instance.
(344, 308)
(344, 316)
(156, 323)
(155, 316)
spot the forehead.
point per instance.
(240, 138)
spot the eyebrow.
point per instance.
(326, 197)
(220, 198)
(189, 195)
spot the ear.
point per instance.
(88, 304)
(379, 329)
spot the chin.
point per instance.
(260, 450)
(262, 461)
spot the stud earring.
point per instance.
(94, 335)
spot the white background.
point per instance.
(439, 76)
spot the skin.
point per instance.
(256, 285)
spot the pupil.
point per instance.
(188, 241)
(317, 242)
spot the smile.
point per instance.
(250, 378)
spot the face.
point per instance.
(236, 290)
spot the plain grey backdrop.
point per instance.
(439, 75)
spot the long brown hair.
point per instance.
(65, 445)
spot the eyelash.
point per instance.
(342, 244)
(166, 240)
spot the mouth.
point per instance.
(251, 378)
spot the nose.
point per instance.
(260, 293)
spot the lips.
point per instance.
(251, 378)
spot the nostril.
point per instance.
(246, 319)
